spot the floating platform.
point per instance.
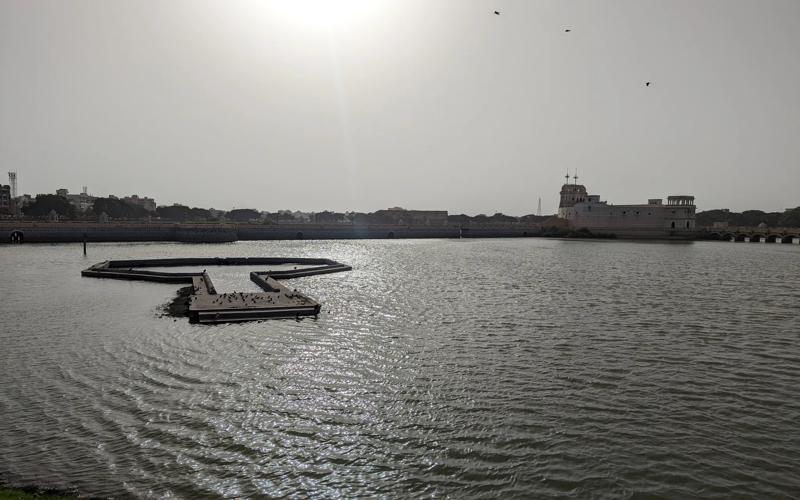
(205, 305)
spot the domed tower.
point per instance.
(570, 195)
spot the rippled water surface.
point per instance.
(502, 368)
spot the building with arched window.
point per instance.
(675, 219)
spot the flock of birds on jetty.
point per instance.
(252, 297)
(569, 30)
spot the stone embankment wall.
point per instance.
(342, 232)
(62, 232)
(65, 232)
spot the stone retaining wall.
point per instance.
(64, 232)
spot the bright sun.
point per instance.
(330, 15)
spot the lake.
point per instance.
(498, 367)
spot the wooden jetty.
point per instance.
(208, 306)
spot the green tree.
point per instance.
(498, 217)
(327, 217)
(118, 209)
(244, 214)
(532, 218)
(177, 213)
(790, 218)
(199, 214)
(756, 217)
(749, 218)
(709, 217)
(45, 203)
(458, 219)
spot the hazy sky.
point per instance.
(423, 104)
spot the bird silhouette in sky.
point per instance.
(647, 84)
(497, 13)
(567, 30)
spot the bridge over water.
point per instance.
(752, 234)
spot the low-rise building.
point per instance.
(82, 202)
(24, 200)
(5, 198)
(148, 204)
(397, 215)
(329, 217)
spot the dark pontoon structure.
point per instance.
(208, 306)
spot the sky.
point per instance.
(368, 104)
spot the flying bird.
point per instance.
(497, 13)
(647, 84)
(567, 30)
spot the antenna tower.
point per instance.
(12, 179)
(539, 208)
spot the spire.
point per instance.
(576, 177)
(567, 176)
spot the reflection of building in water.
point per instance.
(676, 219)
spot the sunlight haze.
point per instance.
(362, 105)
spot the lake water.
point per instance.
(502, 368)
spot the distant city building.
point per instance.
(24, 200)
(398, 215)
(82, 202)
(148, 204)
(302, 217)
(5, 197)
(328, 217)
(285, 216)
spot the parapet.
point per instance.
(683, 200)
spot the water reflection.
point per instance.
(465, 367)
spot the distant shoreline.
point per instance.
(72, 232)
(16, 231)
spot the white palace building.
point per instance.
(675, 220)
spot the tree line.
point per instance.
(44, 204)
(750, 218)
